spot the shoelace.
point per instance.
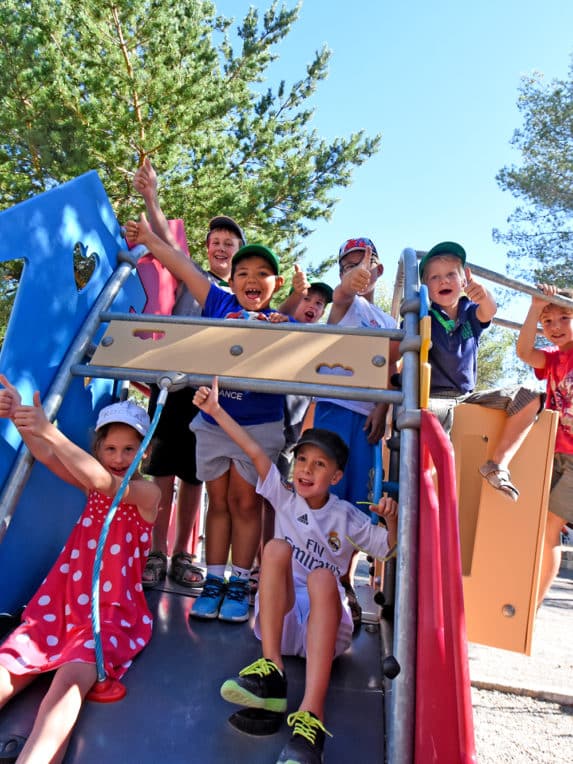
(212, 588)
(261, 667)
(306, 725)
(237, 590)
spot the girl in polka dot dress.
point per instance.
(56, 632)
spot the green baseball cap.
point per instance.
(320, 286)
(256, 250)
(443, 248)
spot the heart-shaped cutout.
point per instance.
(84, 265)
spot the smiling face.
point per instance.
(311, 307)
(117, 447)
(445, 280)
(254, 282)
(313, 474)
(221, 246)
(557, 325)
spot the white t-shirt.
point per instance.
(321, 538)
(365, 314)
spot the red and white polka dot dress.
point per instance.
(57, 627)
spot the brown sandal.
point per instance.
(498, 477)
(184, 571)
(155, 570)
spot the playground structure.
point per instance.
(77, 347)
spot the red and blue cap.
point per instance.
(356, 245)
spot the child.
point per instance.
(56, 632)
(457, 323)
(554, 364)
(173, 452)
(301, 608)
(234, 513)
(361, 423)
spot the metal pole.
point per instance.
(401, 719)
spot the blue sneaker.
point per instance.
(235, 606)
(208, 603)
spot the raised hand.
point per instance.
(300, 282)
(145, 180)
(9, 398)
(207, 398)
(474, 290)
(32, 420)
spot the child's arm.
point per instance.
(172, 258)
(145, 182)
(527, 337)
(388, 509)
(71, 463)
(300, 287)
(487, 306)
(207, 399)
(352, 283)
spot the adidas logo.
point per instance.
(303, 519)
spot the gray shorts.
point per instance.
(508, 399)
(561, 496)
(216, 451)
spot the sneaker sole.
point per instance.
(234, 693)
(204, 616)
(233, 619)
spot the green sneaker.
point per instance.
(307, 739)
(260, 685)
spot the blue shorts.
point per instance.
(357, 483)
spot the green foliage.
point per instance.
(100, 84)
(496, 346)
(540, 235)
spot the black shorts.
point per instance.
(173, 443)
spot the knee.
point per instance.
(277, 552)
(322, 582)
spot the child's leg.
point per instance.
(188, 507)
(276, 597)
(218, 521)
(245, 509)
(551, 557)
(58, 713)
(514, 432)
(322, 630)
(12, 684)
(159, 533)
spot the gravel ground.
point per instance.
(517, 728)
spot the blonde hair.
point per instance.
(565, 292)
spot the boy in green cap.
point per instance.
(461, 308)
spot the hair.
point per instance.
(443, 258)
(223, 228)
(564, 292)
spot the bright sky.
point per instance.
(439, 79)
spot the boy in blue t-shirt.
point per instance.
(234, 514)
(461, 308)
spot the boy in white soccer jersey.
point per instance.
(301, 608)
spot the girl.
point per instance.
(56, 631)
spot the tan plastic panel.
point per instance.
(262, 354)
(501, 539)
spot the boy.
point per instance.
(554, 364)
(234, 513)
(173, 454)
(361, 423)
(300, 609)
(457, 323)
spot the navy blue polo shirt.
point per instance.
(453, 355)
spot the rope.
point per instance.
(95, 614)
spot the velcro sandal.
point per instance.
(184, 572)
(499, 478)
(155, 570)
